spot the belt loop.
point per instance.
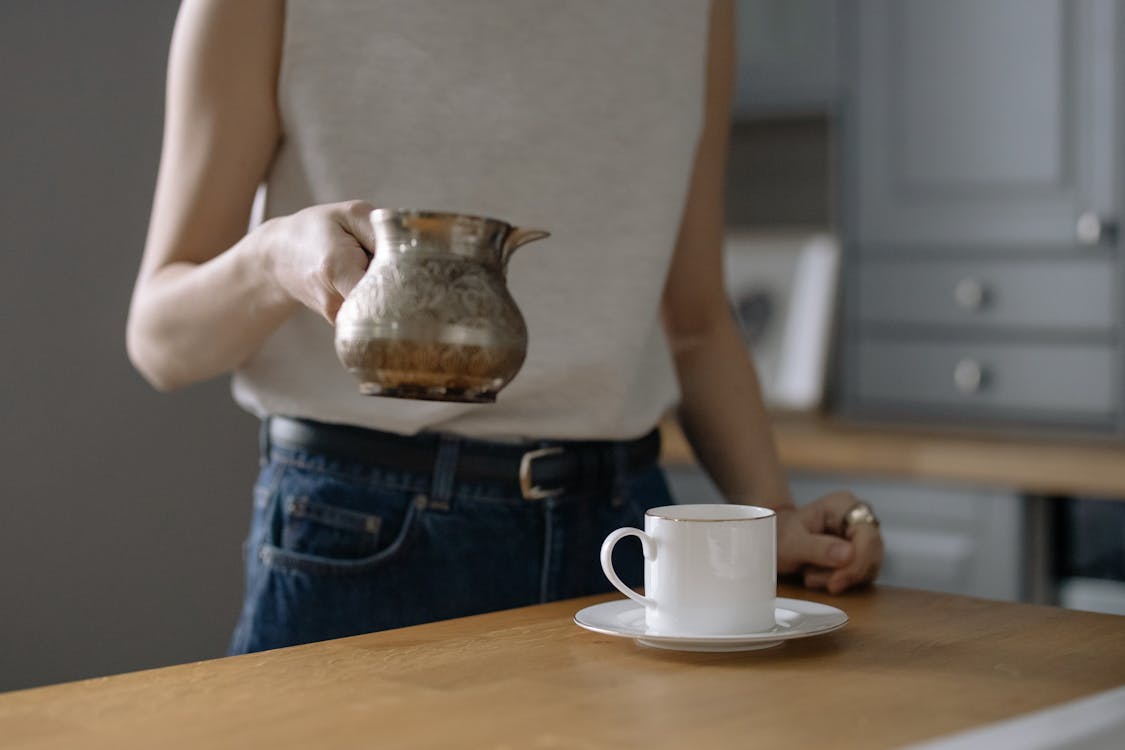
(620, 454)
(264, 441)
(444, 471)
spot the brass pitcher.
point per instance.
(432, 318)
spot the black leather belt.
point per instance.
(538, 471)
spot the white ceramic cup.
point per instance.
(709, 569)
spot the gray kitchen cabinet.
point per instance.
(982, 163)
(786, 58)
(976, 123)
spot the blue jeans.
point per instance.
(338, 548)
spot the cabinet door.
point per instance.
(786, 57)
(937, 537)
(986, 123)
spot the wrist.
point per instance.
(261, 257)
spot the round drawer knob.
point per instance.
(968, 376)
(970, 294)
(1092, 229)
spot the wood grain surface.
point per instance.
(1069, 467)
(908, 666)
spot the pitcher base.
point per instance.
(424, 393)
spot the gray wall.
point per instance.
(121, 510)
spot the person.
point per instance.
(603, 123)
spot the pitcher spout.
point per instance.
(516, 239)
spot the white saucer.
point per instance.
(795, 619)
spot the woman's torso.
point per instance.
(578, 117)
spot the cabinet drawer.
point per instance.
(1067, 381)
(1043, 294)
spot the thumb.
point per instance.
(348, 267)
(359, 236)
(355, 218)
(821, 550)
(348, 277)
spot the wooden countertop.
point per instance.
(1051, 467)
(909, 666)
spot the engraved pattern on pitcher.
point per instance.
(440, 291)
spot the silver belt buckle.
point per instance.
(529, 490)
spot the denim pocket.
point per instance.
(336, 530)
(317, 528)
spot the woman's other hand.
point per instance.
(811, 542)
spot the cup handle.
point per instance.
(648, 549)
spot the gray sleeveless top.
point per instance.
(580, 117)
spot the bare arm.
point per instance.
(208, 294)
(722, 411)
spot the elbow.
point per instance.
(699, 329)
(146, 355)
